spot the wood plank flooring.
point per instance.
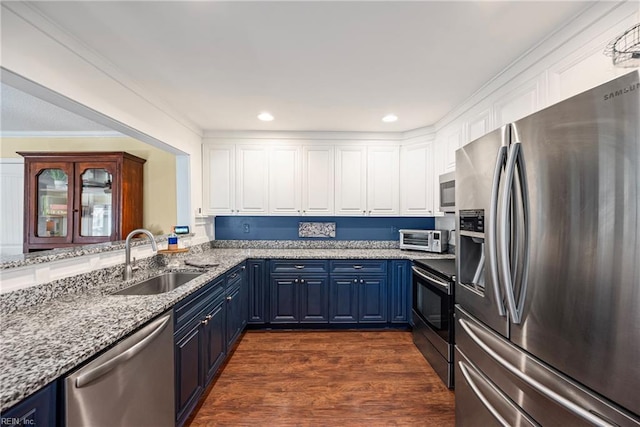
(333, 378)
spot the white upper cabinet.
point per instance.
(252, 185)
(416, 179)
(351, 180)
(284, 180)
(479, 125)
(518, 102)
(219, 173)
(383, 180)
(318, 179)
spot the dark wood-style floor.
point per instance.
(341, 378)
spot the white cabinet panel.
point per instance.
(252, 186)
(318, 180)
(284, 180)
(351, 180)
(518, 103)
(479, 125)
(453, 140)
(219, 172)
(416, 179)
(383, 180)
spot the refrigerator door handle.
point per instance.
(533, 383)
(493, 225)
(467, 371)
(503, 243)
(524, 192)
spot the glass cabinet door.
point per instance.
(96, 201)
(52, 203)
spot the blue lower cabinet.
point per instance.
(189, 370)
(400, 292)
(235, 312)
(38, 410)
(372, 299)
(214, 329)
(284, 299)
(343, 303)
(314, 299)
(257, 287)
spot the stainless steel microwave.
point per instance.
(448, 192)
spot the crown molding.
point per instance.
(306, 135)
(62, 134)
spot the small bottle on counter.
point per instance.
(173, 242)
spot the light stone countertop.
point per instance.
(45, 341)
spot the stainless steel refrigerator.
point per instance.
(548, 292)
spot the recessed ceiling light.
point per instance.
(265, 117)
(389, 118)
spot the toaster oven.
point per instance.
(424, 240)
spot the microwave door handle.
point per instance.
(503, 244)
(493, 224)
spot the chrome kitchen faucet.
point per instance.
(128, 269)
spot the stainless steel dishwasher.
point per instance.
(130, 384)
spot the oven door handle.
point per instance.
(431, 279)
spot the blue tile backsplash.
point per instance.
(286, 227)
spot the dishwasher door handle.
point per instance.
(107, 366)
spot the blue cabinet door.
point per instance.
(314, 299)
(216, 344)
(234, 315)
(39, 409)
(372, 299)
(284, 299)
(189, 371)
(256, 270)
(400, 290)
(343, 306)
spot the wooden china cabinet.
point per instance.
(78, 198)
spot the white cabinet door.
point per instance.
(416, 179)
(479, 125)
(518, 103)
(383, 180)
(351, 180)
(252, 186)
(284, 180)
(318, 180)
(219, 173)
(452, 141)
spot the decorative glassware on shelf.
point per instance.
(53, 200)
(97, 203)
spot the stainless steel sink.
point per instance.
(159, 284)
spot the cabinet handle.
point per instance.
(299, 267)
(208, 317)
(205, 322)
(301, 280)
(233, 276)
(355, 280)
(295, 281)
(364, 212)
(361, 280)
(229, 298)
(357, 267)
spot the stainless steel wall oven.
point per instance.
(433, 325)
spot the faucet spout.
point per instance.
(128, 269)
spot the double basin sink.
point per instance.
(159, 284)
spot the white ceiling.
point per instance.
(320, 65)
(24, 114)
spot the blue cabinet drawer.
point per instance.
(39, 409)
(359, 266)
(189, 309)
(235, 274)
(298, 266)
